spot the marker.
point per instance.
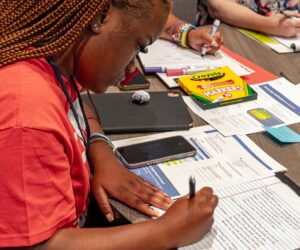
(192, 184)
(158, 69)
(155, 69)
(187, 71)
(212, 33)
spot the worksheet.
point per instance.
(277, 104)
(219, 161)
(166, 55)
(263, 214)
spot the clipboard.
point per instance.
(166, 111)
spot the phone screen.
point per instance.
(156, 151)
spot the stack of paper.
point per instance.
(164, 55)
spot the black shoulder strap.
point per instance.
(70, 101)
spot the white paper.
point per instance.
(219, 161)
(263, 214)
(170, 81)
(278, 98)
(165, 54)
(292, 43)
(275, 44)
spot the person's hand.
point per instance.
(190, 219)
(197, 38)
(283, 26)
(292, 3)
(115, 181)
(130, 68)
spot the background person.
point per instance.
(262, 15)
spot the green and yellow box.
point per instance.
(217, 87)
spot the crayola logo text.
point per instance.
(208, 76)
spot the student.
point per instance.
(262, 15)
(44, 46)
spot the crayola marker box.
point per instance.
(217, 87)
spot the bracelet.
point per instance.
(174, 26)
(100, 137)
(184, 31)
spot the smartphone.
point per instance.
(156, 151)
(134, 81)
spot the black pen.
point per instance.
(287, 15)
(192, 183)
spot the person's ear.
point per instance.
(96, 25)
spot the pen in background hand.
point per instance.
(212, 33)
(192, 184)
(286, 14)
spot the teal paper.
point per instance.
(283, 134)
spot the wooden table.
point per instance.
(288, 155)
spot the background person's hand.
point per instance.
(199, 37)
(189, 220)
(115, 181)
(283, 26)
(293, 3)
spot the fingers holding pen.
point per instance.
(191, 217)
(201, 37)
(206, 197)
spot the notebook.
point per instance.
(166, 111)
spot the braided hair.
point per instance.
(41, 28)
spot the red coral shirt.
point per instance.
(44, 175)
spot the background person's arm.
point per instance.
(228, 11)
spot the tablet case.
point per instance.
(166, 111)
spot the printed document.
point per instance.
(277, 104)
(219, 161)
(263, 214)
